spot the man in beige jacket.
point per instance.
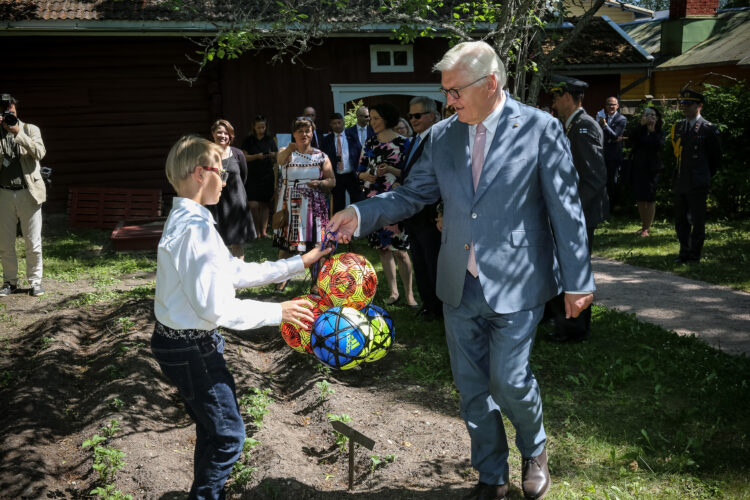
(22, 193)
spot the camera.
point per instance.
(6, 101)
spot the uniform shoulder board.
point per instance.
(583, 130)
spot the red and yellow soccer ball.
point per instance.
(297, 337)
(347, 280)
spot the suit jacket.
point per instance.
(527, 188)
(352, 132)
(586, 146)
(31, 150)
(328, 146)
(427, 215)
(614, 128)
(698, 152)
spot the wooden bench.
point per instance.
(142, 234)
(105, 207)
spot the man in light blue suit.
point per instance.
(513, 237)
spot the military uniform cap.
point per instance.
(561, 84)
(688, 96)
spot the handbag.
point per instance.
(280, 219)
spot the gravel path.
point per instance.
(717, 314)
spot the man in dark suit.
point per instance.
(585, 138)
(343, 152)
(310, 113)
(697, 148)
(361, 131)
(513, 237)
(424, 237)
(613, 125)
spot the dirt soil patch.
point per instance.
(67, 370)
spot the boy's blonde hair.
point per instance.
(186, 154)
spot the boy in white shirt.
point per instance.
(196, 277)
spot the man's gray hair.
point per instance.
(428, 104)
(478, 59)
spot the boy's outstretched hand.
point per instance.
(315, 255)
(344, 223)
(294, 311)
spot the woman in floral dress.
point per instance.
(305, 181)
(383, 157)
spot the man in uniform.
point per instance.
(697, 149)
(586, 146)
(22, 193)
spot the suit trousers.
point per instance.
(424, 246)
(20, 206)
(346, 183)
(614, 170)
(489, 355)
(690, 223)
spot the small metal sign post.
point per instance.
(354, 437)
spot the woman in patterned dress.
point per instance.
(305, 181)
(383, 157)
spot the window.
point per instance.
(391, 59)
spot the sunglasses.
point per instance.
(416, 116)
(455, 93)
(224, 174)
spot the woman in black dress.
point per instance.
(233, 219)
(647, 142)
(260, 152)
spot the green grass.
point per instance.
(726, 254)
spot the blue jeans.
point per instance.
(490, 363)
(198, 369)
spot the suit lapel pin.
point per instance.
(515, 125)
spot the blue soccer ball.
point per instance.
(341, 337)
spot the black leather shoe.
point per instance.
(535, 480)
(484, 491)
(422, 311)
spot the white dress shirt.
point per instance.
(196, 276)
(346, 167)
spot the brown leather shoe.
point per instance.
(484, 491)
(535, 479)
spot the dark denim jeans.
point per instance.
(198, 369)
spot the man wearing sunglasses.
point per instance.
(513, 237)
(424, 238)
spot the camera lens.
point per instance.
(10, 119)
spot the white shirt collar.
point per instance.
(490, 123)
(193, 207)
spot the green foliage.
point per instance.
(255, 404)
(326, 391)
(107, 461)
(341, 440)
(350, 118)
(116, 404)
(242, 472)
(378, 462)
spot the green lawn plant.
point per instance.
(255, 405)
(107, 461)
(341, 440)
(326, 391)
(242, 471)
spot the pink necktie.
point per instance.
(477, 160)
(340, 166)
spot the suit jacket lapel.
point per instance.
(505, 135)
(415, 156)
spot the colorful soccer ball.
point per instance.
(383, 332)
(341, 337)
(348, 280)
(296, 336)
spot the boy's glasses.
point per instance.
(224, 174)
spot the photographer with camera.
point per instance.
(22, 192)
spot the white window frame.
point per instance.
(391, 48)
(345, 92)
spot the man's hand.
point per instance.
(13, 130)
(294, 311)
(345, 222)
(577, 302)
